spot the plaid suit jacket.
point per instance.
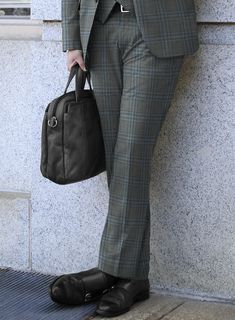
(169, 27)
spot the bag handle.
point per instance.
(80, 79)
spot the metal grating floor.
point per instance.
(24, 296)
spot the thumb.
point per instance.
(81, 64)
(71, 65)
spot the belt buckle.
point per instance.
(122, 9)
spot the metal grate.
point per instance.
(24, 296)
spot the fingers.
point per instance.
(81, 63)
(75, 59)
(70, 65)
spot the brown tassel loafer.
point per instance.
(80, 288)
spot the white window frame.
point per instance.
(15, 4)
(19, 27)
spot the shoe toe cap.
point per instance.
(66, 290)
(107, 307)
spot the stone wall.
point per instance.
(56, 229)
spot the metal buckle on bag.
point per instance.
(122, 8)
(52, 122)
(88, 297)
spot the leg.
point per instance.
(148, 87)
(106, 75)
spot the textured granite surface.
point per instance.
(193, 220)
(16, 112)
(15, 232)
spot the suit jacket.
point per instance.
(169, 27)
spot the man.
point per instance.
(134, 50)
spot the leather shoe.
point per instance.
(80, 288)
(119, 298)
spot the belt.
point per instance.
(105, 7)
(123, 9)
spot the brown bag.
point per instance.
(72, 146)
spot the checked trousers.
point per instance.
(133, 89)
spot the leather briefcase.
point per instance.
(72, 146)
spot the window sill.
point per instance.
(20, 29)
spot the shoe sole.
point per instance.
(139, 297)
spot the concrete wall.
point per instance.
(56, 229)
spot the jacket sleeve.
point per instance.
(70, 25)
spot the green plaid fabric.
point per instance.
(104, 9)
(168, 27)
(70, 24)
(133, 89)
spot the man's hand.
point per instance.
(74, 57)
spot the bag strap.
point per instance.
(89, 79)
(73, 71)
(80, 78)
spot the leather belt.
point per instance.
(123, 9)
(105, 7)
